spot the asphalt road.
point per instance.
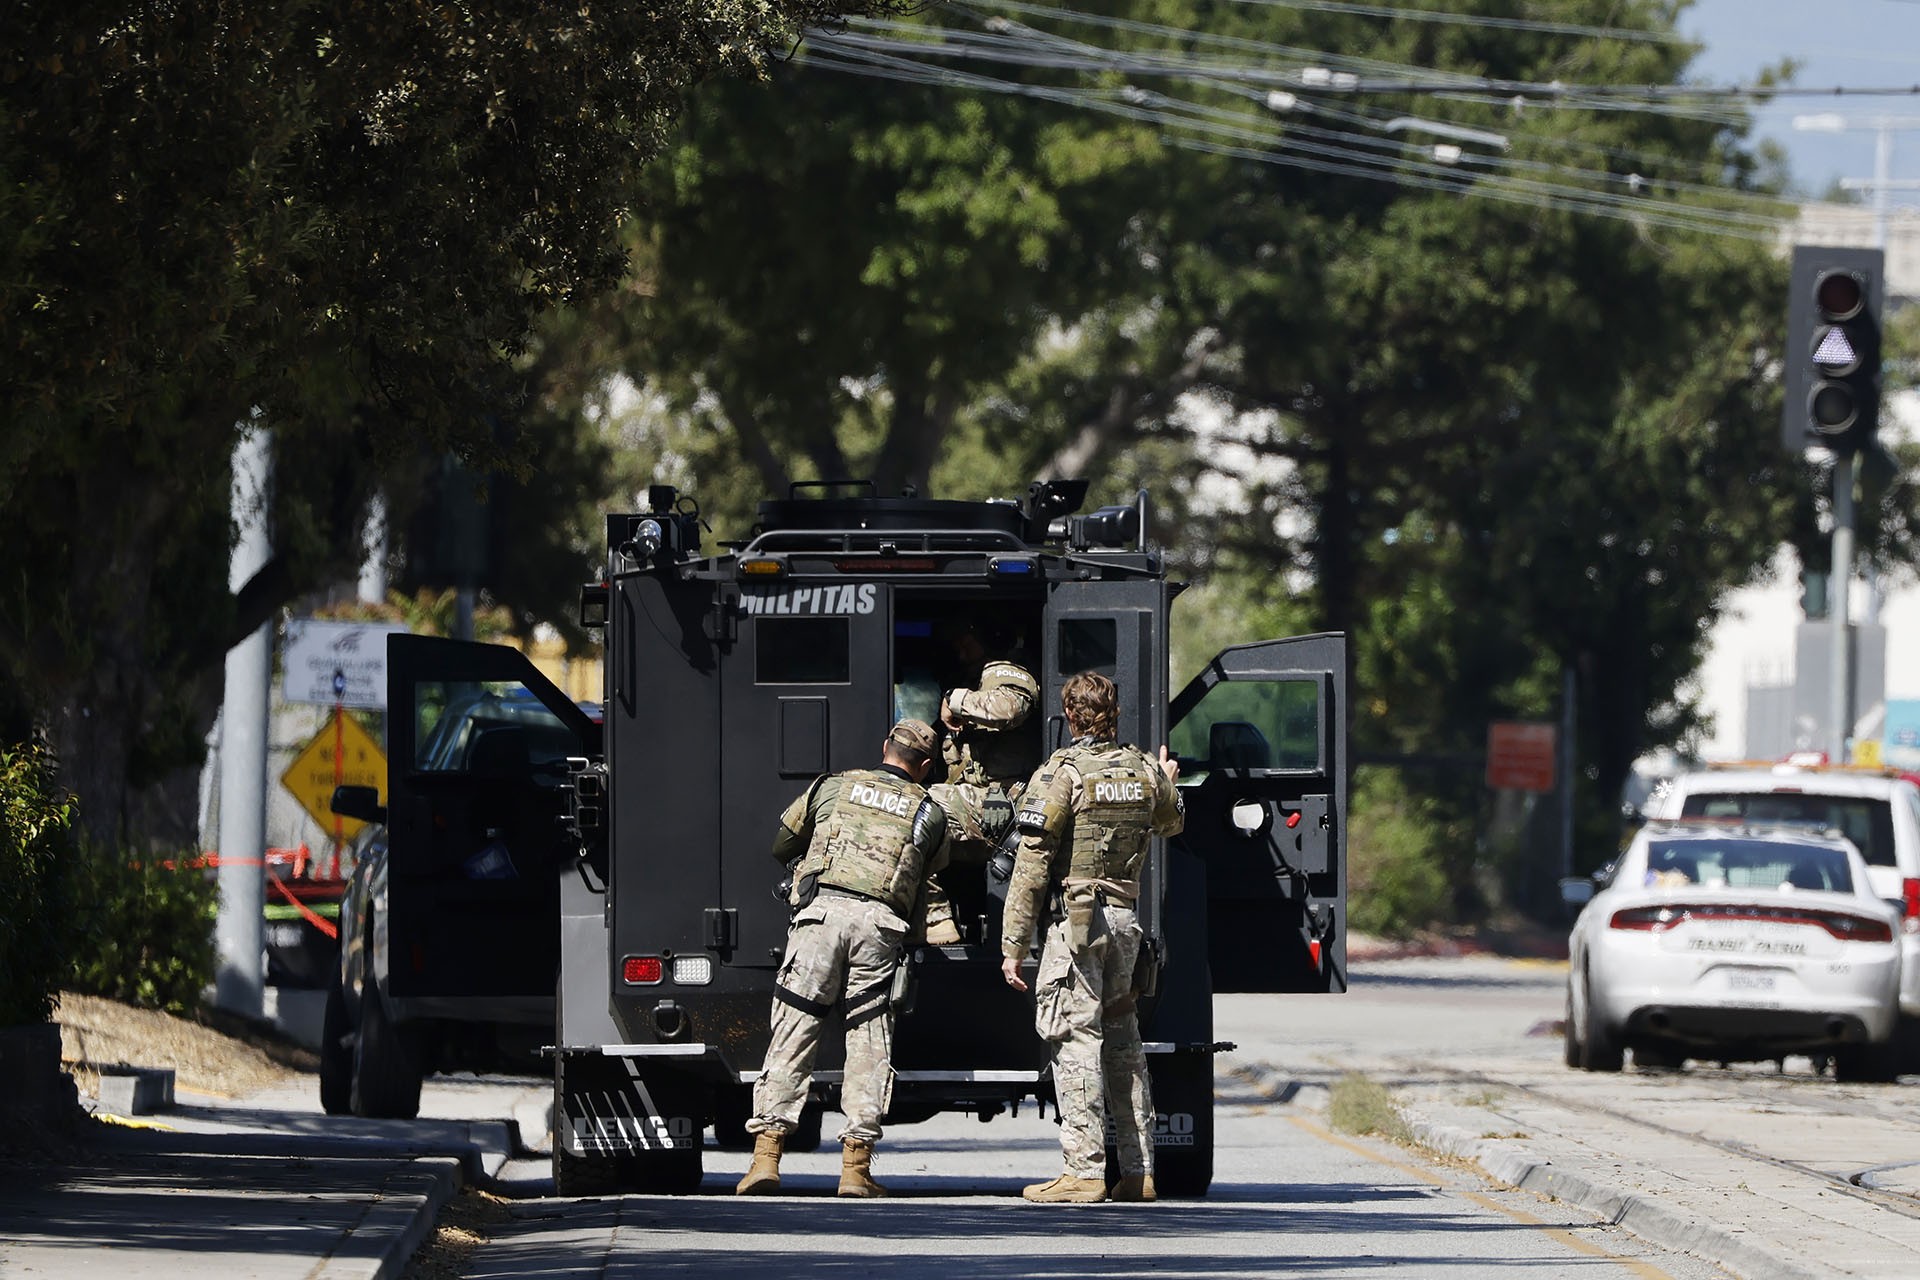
(1291, 1196)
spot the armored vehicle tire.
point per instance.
(733, 1106)
(386, 1065)
(584, 1175)
(1183, 1102)
(336, 1056)
(807, 1136)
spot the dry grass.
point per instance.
(216, 1054)
(1361, 1105)
(465, 1223)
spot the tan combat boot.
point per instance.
(763, 1175)
(1067, 1189)
(1134, 1188)
(856, 1171)
(943, 933)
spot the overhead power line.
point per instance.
(1298, 110)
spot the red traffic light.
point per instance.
(1839, 295)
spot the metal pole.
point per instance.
(1882, 180)
(1839, 672)
(240, 934)
(1566, 770)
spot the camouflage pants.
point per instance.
(838, 948)
(1084, 1008)
(967, 844)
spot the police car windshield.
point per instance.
(1862, 819)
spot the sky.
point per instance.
(1855, 43)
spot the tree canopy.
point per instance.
(1500, 408)
(340, 220)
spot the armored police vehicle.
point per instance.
(732, 680)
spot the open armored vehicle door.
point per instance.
(1261, 738)
(478, 743)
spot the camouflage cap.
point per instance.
(917, 734)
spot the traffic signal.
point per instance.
(1833, 349)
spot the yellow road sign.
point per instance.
(341, 754)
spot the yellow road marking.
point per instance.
(1560, 1234)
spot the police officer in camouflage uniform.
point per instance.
(859, 845)
(987, 761)
(1084, 826)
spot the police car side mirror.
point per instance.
(1576, 891)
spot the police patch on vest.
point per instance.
(885, 801)
(845, 598)
(1119, 791)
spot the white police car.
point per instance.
(1733, 942)
(1877, 809)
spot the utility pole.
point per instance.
(240, 933)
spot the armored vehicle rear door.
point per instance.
(1261, 739)
(478, 742)
(806, 689)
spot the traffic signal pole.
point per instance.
(1839, 611)
(1831, 376)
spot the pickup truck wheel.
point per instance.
(336, 1052)
(386, 1065)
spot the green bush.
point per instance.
(36, 879)
(147, 929)
(1396, 881)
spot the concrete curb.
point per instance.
(396, 1223)
(1647, 1219)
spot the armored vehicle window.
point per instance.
(1252, 724)
(1089, 644)
(803, 651)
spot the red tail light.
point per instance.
(1910, 897)
(1847, 928)
(642, 971)
(1649, 919)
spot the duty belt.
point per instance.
(835, 891)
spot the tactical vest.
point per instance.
(983, 756)
(1113, 816)
(874, 840)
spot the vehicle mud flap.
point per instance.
(1182, 1083)
(621, 1126)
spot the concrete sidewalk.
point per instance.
(1761, 1222)
(266, 1186)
